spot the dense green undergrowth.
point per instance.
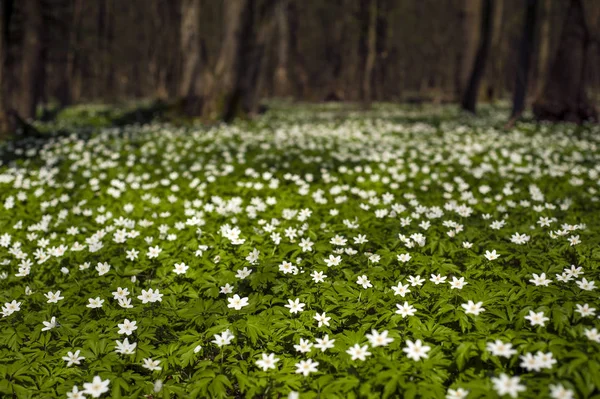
(316, 251)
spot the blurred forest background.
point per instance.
(216, 59)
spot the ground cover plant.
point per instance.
(310, 253)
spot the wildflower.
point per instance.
(358, 352)
(491, 255)
(473, 308)
(400, 289)
(324, 343)
(537, 319)
(416, 350)
(306, 367)
(458, 283)
(376, 339)
(96, 388)
(318, 277)
(49, 325)
(95, 303)
(403, 258)
(224, 339)
(127, 328)
(505, 385)
(304, 346)
(125, 347)
(322, 319)
(151, 365)
(180, 268)
(499, 348)
(267, 362)
(364, 281)
(295, 306)
(73, 358)
(236, 302)
(458, 393)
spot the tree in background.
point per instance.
(564, 97)
(469, 99)
(5, 14)
(525, 50)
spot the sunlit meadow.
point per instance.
(310, 253)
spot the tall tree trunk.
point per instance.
(495, 82)
(31, 62)
(190, 88)
(544, 47)
(470, 16)
(563, 97)
(74, 59)
(371, 54)
(526, 47)
(282, 73)
(5, 13)
(469, 99)
(241, 58)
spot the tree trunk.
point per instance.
(282, 73)
(31, 62)
(544, 46)
(563, 97)
(237, 83)
(521, 82)
(190, 88)
(495, 81)
(470, 16)
(469, 100)
(371, 54)
(5, 121)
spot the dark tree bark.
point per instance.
(283, 86)
(32, 59)
(469, 99)
(544, 47)
(470, 22)
(525, 50)
(367, 82)
(563, 97)
(237, 84)
(190, 88)
(6, 124)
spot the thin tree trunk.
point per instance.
(469, 100)
(470, 17)
(371, 54)
(5, 11)
(544, 46)
(521, 82)
(563, 97)
(73, 58)
(31, 62)
(282, 73)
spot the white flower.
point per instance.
(49, 325)
(416, 281)
(150, 296)
(322, 319)
(295, 306)
(376, 339)
(530, 363)
(10, 308)
(53, 297)
(403, 258)
(306, 367)
(75, 393)
(585, 310)
(153, 252)
(236, 302)
(559, 392)
(127, 328)
(416, 350)
(540, 280)
(437, 279)
(223, 339)
(401, 290)
(499, 348)
(151, 365)
(73, 358)
(491, 255)
(506, 385)
(405, 310)
(586, 285)
(324, 343)
(592, 334)
(226, 289)
(358, 352)
(458, 393)
(304, 346)
(364, 281)
(95, 303)
(180, 268)
(318, 277)
(125, 347)
(267, 362)
(537, 318)
(473, 308)
(102, 268)
(96, 388)
(457, 283)
(243, 273)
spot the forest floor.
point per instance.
(320, 249)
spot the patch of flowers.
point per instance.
(293, 258)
